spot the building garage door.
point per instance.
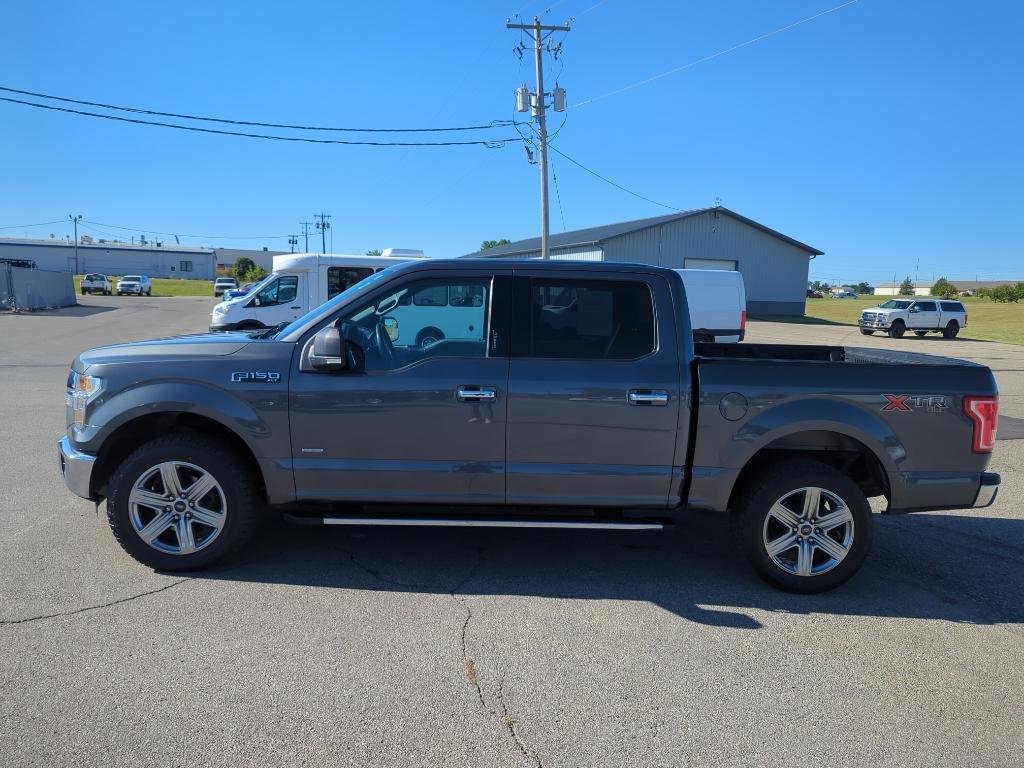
(726, 264)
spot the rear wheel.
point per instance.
(866, 331)
(804, 526)
(182, 502)
(897, 329)
(429, 336)
(84, 291)
(951, 330)
(920, 333)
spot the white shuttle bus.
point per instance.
(718, 304)
(300, 282)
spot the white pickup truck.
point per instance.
(94, 282)
(897, 316)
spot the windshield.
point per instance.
(255, 288)
(130, 279)
(894, 304)
(338, 300)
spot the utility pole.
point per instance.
(536, 32)
(293, 240)
(323, 225)
(305, 232)
(76, 219)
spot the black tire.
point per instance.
(250, 325)
(772, 484)
(703, 338)
(867, 331)
(149, 292)
(244, 502)
(897, 329)
(951, 330)
(920, 334)
(429, 336)
(84, 291)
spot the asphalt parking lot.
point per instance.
(491, 648)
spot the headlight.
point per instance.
(82, 390)
(220, 309)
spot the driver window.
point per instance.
(420, 320)
(280, 291)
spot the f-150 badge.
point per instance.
(255, 377)
(910, 402)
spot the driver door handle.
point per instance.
(475, 394)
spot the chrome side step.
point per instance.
(486, 522)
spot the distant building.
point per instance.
(154, 259)
(774, 266)
(922, 289)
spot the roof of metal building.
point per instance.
(596, 235)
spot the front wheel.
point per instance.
(951, 330)
(866, 331)
(804, 526)
(897, 329)
(182, 502)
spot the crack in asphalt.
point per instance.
(88, 608)
(468, 663)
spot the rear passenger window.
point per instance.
(589, 320)
(342, 278)
(952, 306)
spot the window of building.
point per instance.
(342, 278)
(184, 266)
(589, 319)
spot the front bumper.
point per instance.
(988, 491)
(76, 468)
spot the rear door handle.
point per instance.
(648, 397)
(475, 394)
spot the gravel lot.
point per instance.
(489, 648)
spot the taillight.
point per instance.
(743, 320)
(984, 413)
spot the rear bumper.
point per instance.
(76, 468)
(988, 491)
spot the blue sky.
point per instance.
(886, 134)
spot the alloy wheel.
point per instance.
(177, 507)
(808, 532)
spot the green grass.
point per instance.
(165, 286)
(986, 320)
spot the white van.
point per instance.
(718, 304)
(300, 282)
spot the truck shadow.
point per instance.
(925, 566)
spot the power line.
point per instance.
(140, 111)
(40, 224)
(703, 59)
(491, 144)
(609, 181)
(186, 234)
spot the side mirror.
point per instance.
(391, 326)
(328, 352)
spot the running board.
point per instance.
(486, 522)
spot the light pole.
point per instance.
(76, 219)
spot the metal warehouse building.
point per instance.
(114, 258)
(774, 266)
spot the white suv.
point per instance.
(95, 283)
(134, 284)
(897, 316)
(222, 284)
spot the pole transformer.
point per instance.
(536, 32)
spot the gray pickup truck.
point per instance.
(551, 394)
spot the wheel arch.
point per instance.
(138, 430)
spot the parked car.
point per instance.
(921, 316)
(717, 299)
(134, 284)
(222, 284)
(234, 293)
(299, 283)
(607, 421)
(813, 294)
(94, 282)
(844, 293)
